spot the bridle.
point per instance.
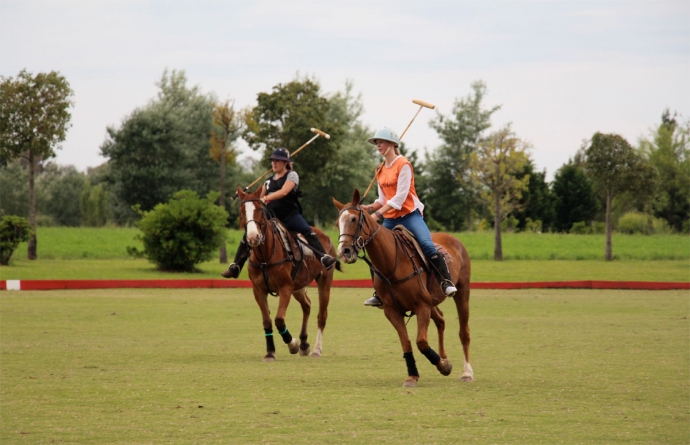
(265, 263)
(264, 209)
(358, 242)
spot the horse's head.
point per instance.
(252, 217)
(355, 226)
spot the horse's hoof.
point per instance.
(467, 378)
(304, 352)
(293, 346)
(269, 358)
(410, 382)
(315, 354)
(444, 366)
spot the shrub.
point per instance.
(599, 228)
(182, 233)
(533, 226)
(13, 230)
(580, 228)
(641, 223)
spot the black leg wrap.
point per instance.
(270, 346)
(287, 337)
(411, 366)
(432, 356)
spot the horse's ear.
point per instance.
(240, 193)
(355, 197)
(337, 204)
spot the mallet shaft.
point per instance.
(421, 104)
(314, 130)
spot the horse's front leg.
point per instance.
(424, 313)
(284, 295)
(440, 322)
(398, 322)
(305, 303)
(261, 300)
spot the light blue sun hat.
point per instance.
(385, 134)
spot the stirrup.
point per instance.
(374, 301)
(328, 261)
(233, 271)
(448, 288)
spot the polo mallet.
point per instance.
(314, 130)
(421, 104)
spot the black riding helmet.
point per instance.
(281, 154)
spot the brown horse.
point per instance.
(283, 266)
(403, 283)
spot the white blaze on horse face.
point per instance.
(252, 227)
(342, 222)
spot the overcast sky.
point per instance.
(561, 70)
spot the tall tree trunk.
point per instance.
(609, 229)
(31, 251)
(498, 217)
(469, 215)
(223, 251)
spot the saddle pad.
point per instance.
(411, 241)
(290, 242)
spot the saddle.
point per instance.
(409, 239)
(293, 242)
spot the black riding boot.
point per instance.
(241, 256)
(439, 263)
(374, 301)
(316, 247)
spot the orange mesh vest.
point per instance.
(387, 178)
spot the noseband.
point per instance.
(264, 210)
(358, 243)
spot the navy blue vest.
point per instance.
(287, 206)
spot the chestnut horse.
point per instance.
(403, 282)
(281, 265)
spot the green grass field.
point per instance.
(184, 366)
(110, 243)
(88, 253)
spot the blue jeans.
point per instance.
(415, 224)
(297, 223)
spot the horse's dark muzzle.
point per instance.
(348, 255)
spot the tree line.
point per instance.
(480, 177)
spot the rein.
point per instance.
(359, 243)
(264, 265)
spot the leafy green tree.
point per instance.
(355, 160)
(94, 204)
(284, 118)
(668, 150)
(227, 125)
(162, 147)
(496, 164)
(574, 198)
(615, 167)
(450, 193)
(181, 233)
(13, 230)
(537, 203)
(14, 189)
(34, 118)
(59, 191)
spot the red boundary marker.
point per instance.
(211, 284)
